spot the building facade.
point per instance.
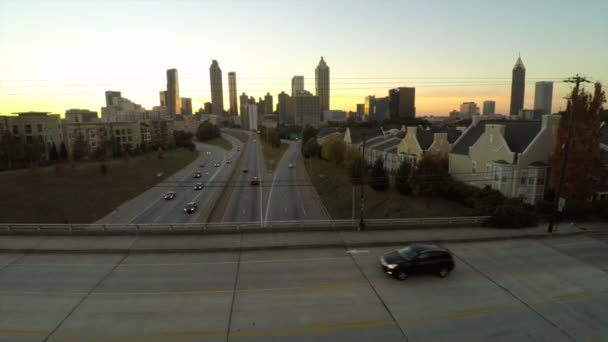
(111, 95)
(268, 104)
(252, 117)
(174, 106)
(35, 126)
(419, 141)
(122, 110)
(80, 115)
(306, 109)
(297, 85)
(402, 103)
(334, 116)
(285, 116)
(489, 107)
(217, 92)
(322, 84)
(381, 109)
(518, 87)
(186, 103)
(543, 97)
(234, 109)
(468, 109)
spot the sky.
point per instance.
(56, 55)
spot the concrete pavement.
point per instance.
(510, 290)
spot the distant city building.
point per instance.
(243, 104)
(285, 116)
(186, 106)
(252, 117)
(368, 108)
(468, 109)
(489, 107)
(297, 85)
(174, 106)
(518, 86)
(529, 114)
(163, 98)
(334, 116)
(402, 103)
(360, 109)
(217, 93)
(381, 109)
(234, 110)
(80, 115)
(157, 113)
(110, 96)
(543, 97)
(123, 110)
(208, 107)
(306, 109)
(322, 84)
(35, 126)
(268, 104)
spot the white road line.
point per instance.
(261, 187)
(276, 172)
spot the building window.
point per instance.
(15, 129)
(129, 131)
(474, 167)
(28, 139)
(117, 132)
(28, 129)
(130, 138)
(39, 127)
(124, 139)
(122, 131)
(530, 180)
(524, 176)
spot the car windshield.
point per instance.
(407, 252)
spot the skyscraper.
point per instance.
(186, 105)
(402, 103)
(297, 85)
(285, 116)
(368, 108)
(543, 97)
(518, 85)
(111, 95)
(468, 109)
(217, 93)
(306, 109)
(174, 106)
(268, 104)
(163, 98)
(243, 104)
(322, 84)
(234, 110)
(489, 107)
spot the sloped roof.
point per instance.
(518, 135)
(519, 64)
(325, 131)
(388, 143)
(425, 137)
(357, 133)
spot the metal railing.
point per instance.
(238, 227)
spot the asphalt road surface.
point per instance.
(151, 208)
(247, 201)
(513, 290)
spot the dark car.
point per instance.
(198, 186)
(255, 181)
(245, 170)
(201, 165)
(228, 161)
(197, 175)
(170, 195)
(418, 258)
(190, 208)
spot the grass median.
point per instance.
(219, 142)
(339, 196)
(242, 136)
(81, 192)
(272, 155)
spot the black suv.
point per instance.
(418, 258)
(190, 208)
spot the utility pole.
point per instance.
(361, 223)
(566, 148)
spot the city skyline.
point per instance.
(49, 73)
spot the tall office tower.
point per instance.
(234, 110)
(217, 93)
(306, 109)
(402, 103)
(297, 85)
(381, 109)
(186, 105)
(208, 107)
(518, 86)
(111, 95)
(489, 107)
(174, 106)
(268, 104)
(243, 104)
(285, 116)
(360, 110)
(163, 98)
(322, 84)
(543, 97)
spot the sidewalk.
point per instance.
(257, 241)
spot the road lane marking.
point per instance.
(257, 149)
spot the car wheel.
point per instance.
(443, 272)
(401, 275)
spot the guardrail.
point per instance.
(240, 227)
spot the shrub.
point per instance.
(310, 148)
(379, 177)
(511, 215)
(402, 179)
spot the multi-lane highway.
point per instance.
(150, 207)
(514, 290)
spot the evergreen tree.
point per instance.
(379, 177)
(402, 180)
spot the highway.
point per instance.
(150, 207)
(554, 289)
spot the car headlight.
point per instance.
(391, 266)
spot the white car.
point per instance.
(217, 164)
(290, 166)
